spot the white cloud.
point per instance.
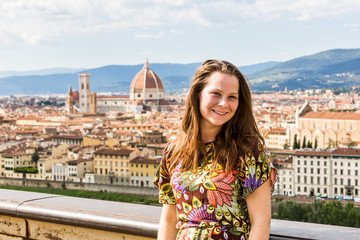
(146, 35)
(40, 21)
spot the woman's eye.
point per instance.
(233, 97)
(216, 94)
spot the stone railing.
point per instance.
(28, 216)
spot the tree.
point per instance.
(35, 157)
(316, 143)
(309, 144)
(295, 144)
(304, 143)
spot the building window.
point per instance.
(311, 170)
(305, 178)
(318, 170)
(325, 180)
(335, 181)
(304, 170)
(335, 190)
(349, 172)
(325, 171)
(298, 170)
(298, 180)
(341, 181)
(349, 182)
(312, 162)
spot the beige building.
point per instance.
(276, 138)
(113, 166)
(329, 173)
(143, 170)
(328, 129)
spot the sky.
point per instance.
(40, 34)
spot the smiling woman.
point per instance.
(215, 180)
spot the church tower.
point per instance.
(84, 92)
(70, 101)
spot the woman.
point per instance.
(215, 180)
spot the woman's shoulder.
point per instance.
(258, 148)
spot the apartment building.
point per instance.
(143, 170)
(330, 173)
(113, 166)
(313, 173)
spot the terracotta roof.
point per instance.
(146, 78)
(333, 115)
(164, 102)
(145, 160)
(313, 153)
(114, 152)
(67, 137)
(346, 151)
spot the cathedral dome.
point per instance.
(146, 79)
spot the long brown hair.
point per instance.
(237, 136)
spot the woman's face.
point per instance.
(218, 100)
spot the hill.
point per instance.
(111, 78)
(328, 69)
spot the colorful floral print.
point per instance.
(211, 204)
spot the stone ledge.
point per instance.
(44, 212)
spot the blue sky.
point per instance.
(38, 34)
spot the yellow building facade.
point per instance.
(113, 166)
(143, 170)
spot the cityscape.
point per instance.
(312, 136)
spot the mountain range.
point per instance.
(327, 69)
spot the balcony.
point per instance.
(29, 216)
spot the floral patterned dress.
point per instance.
(211, 204)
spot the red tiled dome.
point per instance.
(146, 78)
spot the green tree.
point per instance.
(295, 144)
(309, 144)
(316, 143)
(304, 143)
(35, 157)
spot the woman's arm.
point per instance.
(259, 208)
(168, 219)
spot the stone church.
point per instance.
(146, 94)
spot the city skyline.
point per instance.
(87, 34)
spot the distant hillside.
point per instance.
(327, 69)
(39, 72)
(111, 78)
(332, 68)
